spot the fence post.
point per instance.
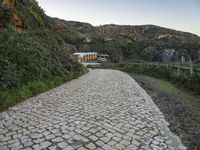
(157, 65)
(179, 69)
(140, 66)
(167, 66)
(147, 65)
(191, 69)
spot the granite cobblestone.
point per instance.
(102, 110)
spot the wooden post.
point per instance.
(157, 65)
(170, 65)
(179, 69)
(191, 69)
(167, 66)
(147, 65)
(140, 66)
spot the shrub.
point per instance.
(11, 97)
(37, 87)
(34, 59)
(25, 92)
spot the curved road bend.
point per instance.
(102, 110)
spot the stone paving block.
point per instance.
(38, 141)
(112, 143)
(28, 144)
(93, 138)
(66, 136)
(125, 143)
(62, 145)
(27, 148)
(90, 146)
(100, 143)
(68, 148)
(57, 140)
(18, 147)
(52, 148)
(106, 147)
(105, 139)
(120, 146)
(36, 147)
(45, 144)
(82, 148)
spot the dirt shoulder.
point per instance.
(181, 109)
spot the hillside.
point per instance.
(122, 43)
(154, 43)
(30, 54)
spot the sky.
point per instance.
(181, 15)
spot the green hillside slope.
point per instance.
(30, 52)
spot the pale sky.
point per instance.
(181, 15)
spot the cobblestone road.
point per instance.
(102, 110)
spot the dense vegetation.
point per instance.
(127, 43)
(119, 51)
(149, 50)
(32, 59)
(184, 79)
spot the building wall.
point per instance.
(81, 57)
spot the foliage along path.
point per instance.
(104, 109)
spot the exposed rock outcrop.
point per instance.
(9, 15)
(9, 3)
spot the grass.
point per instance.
(10, 98)
(191, 100)
(191, 83)
(180, 107)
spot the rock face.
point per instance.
(15, 20)
(10, 15)
(9, 3)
